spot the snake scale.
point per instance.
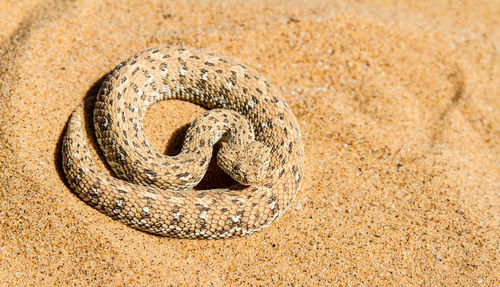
(261, 147)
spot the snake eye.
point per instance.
(237, 166)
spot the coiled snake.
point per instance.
(261, 148)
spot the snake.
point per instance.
(260, 142)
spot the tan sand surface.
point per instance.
(398, 102)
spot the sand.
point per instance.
(398, 102)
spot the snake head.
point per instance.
(246, 164)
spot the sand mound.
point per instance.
(398, 104)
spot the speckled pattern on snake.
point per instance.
(261, 147)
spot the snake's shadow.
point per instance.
(214, 177)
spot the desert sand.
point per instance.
(398, 102)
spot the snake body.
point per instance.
(261, 148)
